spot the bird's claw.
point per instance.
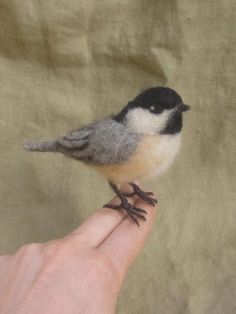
(145, 196)
(133, 212)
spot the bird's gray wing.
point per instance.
(77, 139)
(101, 143)
(72, 143)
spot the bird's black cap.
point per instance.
(157, 98)
(164, 96)
(160, 97)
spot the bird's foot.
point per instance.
(145, 196)
(133, 212)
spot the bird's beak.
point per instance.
(184, 107)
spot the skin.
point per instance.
(80, 273)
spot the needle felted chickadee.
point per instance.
(140, 141)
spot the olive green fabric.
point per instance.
(66, 63)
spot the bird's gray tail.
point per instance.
(47, 146)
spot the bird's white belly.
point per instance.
(154, 155)
(163, 153)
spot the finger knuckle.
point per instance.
(102, 270)
(30, 250)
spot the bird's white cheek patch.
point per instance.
(143, 121)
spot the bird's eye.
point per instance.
(155, 109)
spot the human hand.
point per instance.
(80, 273)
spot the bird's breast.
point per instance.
(154, 155)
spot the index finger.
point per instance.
(98, 226)
(126, 241)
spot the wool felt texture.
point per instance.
(65, 64)
(160, 97)
(101, 143)
(153, 156)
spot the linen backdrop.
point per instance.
(64, 64)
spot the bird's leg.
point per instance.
(145, 196)
(134, 213)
